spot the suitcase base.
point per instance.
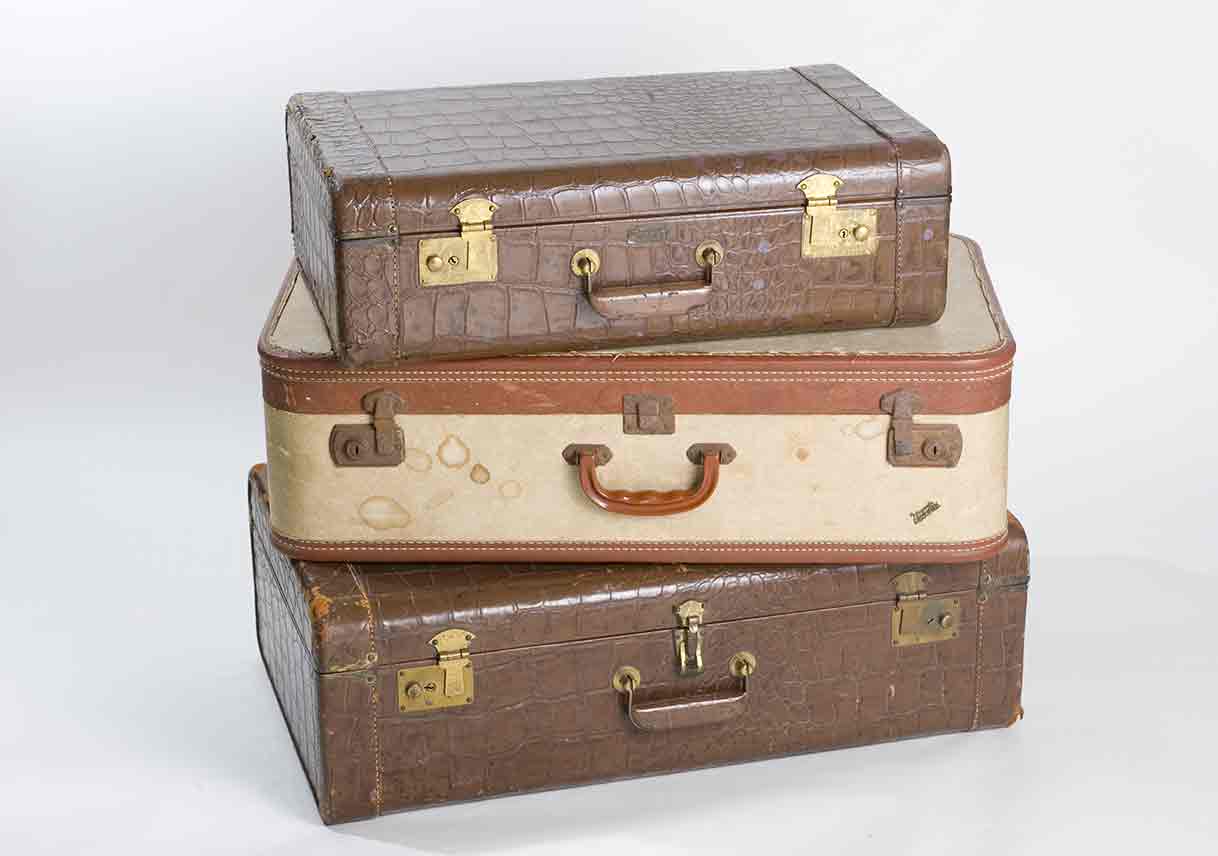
(843, 655)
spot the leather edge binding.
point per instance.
(666, 552)
(256, 486)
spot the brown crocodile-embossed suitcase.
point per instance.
(410, 685)
(517, 218)
(865, 445)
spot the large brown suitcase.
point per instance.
(410, 685)
(866, 445)
(524, 217)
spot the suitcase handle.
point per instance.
(649, 503)
(711, 709)
(647, 301)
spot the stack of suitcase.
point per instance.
(627, 426)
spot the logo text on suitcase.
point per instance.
(830, 231)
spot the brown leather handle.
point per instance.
(648, 301)
(649, 503)
(711, 709)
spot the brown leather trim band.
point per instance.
(751, 553)
(722, 391)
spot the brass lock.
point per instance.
(449, 682)
(918, 444)
(832, 232)
(471, 257)
(380, 444)
(918, 619)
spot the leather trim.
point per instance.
(744, 552)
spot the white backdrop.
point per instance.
(144, 227)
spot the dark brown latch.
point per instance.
(380, 444)
(916, 444)
(648, 414)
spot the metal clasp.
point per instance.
(648, 414)
(380, 444)
(472, 257)
(829, 231)
(918, 619)
(688, 638)
(448, 683)
(918, 444)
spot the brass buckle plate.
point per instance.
(918, 619)
(449, 682)
(833, 232)
(916, 622)
(473, 256)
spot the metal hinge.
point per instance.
(917, 444)
(472, 257)
(829, 231)
(688, 637)
(448, 683)
(380, 444)
(917, 618)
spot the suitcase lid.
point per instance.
(398, 161)
(960, 364)
(360, 615)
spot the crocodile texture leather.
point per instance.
(280, 618)
(544, 714)
(582, 164)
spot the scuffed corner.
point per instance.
(319, 604)
(1016, 715)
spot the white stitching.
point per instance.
(375, 696)
(550, 546)
(597, 376)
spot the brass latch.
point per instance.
(448, 683)
(472, 257)
(688, 638)
(918, 444)
(918, 619)
(829, 231)
(380, 444)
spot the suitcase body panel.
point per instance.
(811, 480)
(624, 167)
(469, 475)
(547, 641)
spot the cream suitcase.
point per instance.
(875, 445)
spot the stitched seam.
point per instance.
(982, 598)
(395, 283)
(897, 201)
(759, 546)
(598, 377)
(374, 734)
